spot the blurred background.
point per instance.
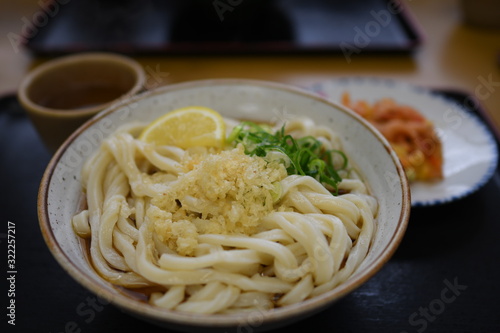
(445, 43)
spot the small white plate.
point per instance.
(469, 149)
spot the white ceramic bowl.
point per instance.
(60, 189)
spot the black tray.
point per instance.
(443, 278)
(207, 26)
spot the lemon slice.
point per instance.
(187, 127)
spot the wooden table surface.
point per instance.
(453, 55)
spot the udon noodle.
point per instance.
(253, 237)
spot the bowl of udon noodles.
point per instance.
(204, 238)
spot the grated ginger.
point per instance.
(224, 193)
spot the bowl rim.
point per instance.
(182, 319)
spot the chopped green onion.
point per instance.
(304, 156)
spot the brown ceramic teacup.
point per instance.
(63, 93)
